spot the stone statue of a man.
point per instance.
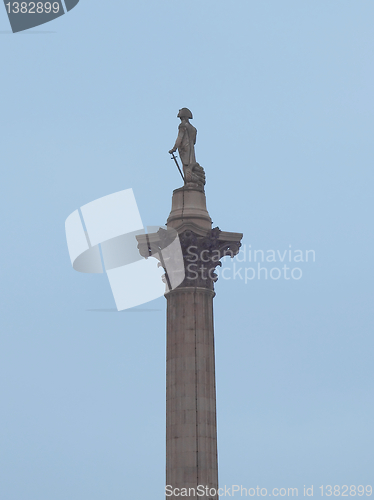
(186, 139)
(185, 143)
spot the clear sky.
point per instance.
(282, 97)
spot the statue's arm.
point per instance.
(179, 140)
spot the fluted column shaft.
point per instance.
(191, 430)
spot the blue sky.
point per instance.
(282, 97)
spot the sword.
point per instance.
(173, 157)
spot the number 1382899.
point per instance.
(346, 491)
(32, 7)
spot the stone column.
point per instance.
(191, 429)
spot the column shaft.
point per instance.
(191, 430)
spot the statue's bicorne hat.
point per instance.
(184, 113)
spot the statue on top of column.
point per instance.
(185, 143)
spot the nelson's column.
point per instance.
(191, 431)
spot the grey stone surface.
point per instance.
(189, 206)
(191, 430)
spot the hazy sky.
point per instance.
(282, 97)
